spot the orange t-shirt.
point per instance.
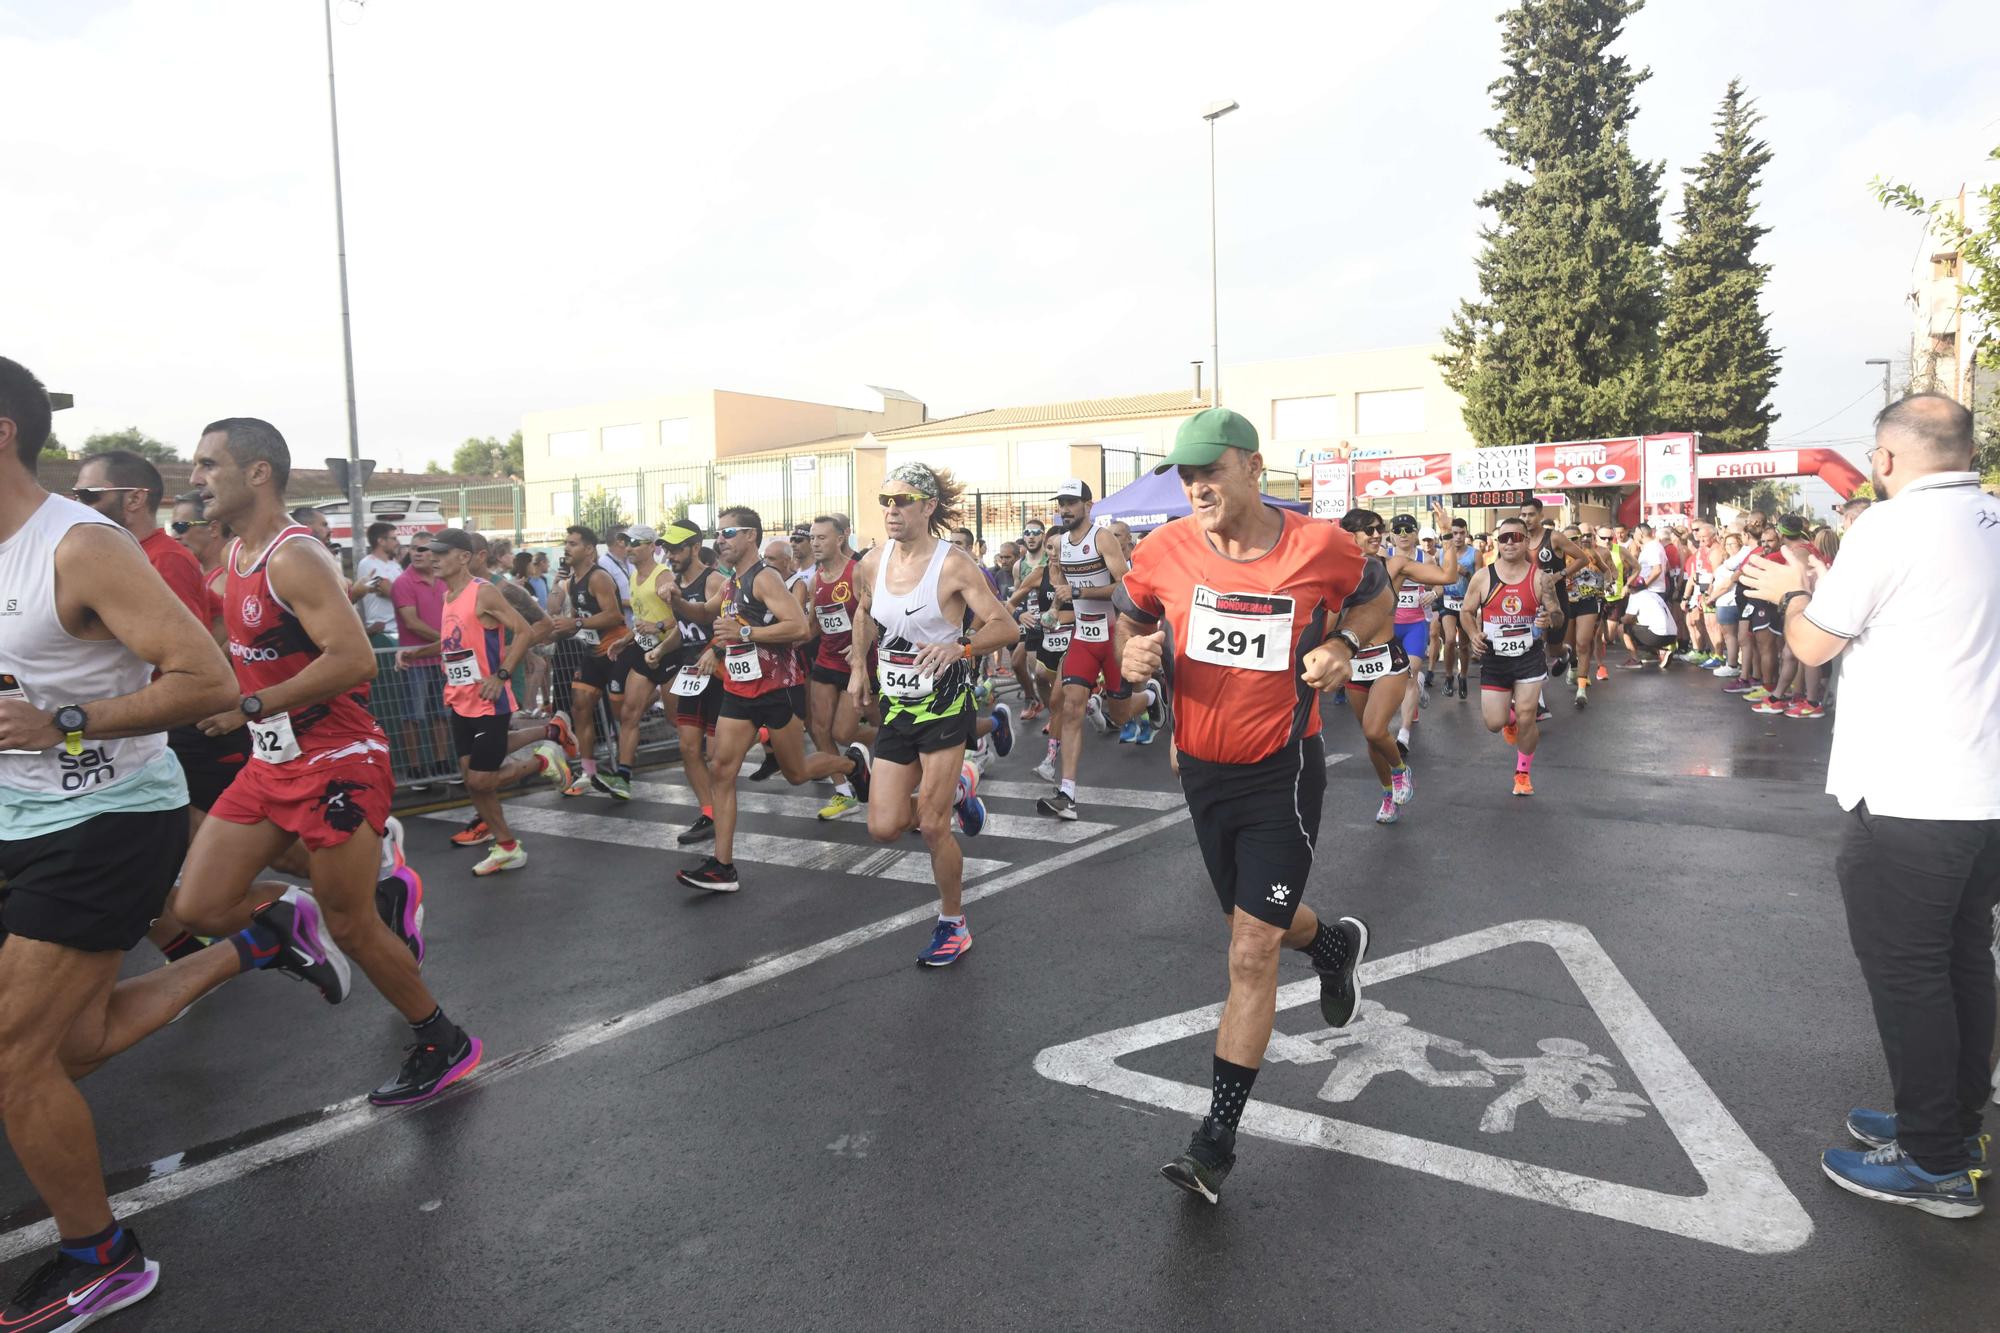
(1239, 630)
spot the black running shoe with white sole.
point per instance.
(1205, 1165)
(767, 768)
(711, 875)
(703, 827)
(859, 778)
(308, 951)
(68, 1293)
(1062, 805)
(1340, 986)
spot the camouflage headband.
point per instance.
(917, 477)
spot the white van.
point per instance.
(412, 515)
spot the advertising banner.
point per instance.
(1587, 463)
(1751, 466)
(1330, 480)
(1508, 469)
(1405, 474)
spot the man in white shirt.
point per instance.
(374, 574)
(1914, 599)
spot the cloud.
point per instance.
(980, 204)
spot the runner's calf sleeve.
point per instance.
(1328, 947)
(1229, 1093)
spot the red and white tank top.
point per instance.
(472, 652)
(1507, 617)
(267, 647)
(833, 606)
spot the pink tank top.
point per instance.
(472, 652)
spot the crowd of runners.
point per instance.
(166, 758)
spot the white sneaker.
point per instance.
(1046, 770)
(392, 848)
(498, 860)
(1727, 673)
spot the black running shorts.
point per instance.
(1504, 673)
(597, 672)
(211, 763)
(700, 710)
(1257, 825)
(826, 675)
(97, 886)
(772, 710)
(630, 659)
(902, 738)
(481, 741)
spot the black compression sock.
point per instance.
(437, 1030)
(1230, 1092)
(181, 946)
(1329, 948)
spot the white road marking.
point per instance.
(350, 1117)
(908, 865)
(1746, 1206)
(1034, 828)
(1111, 798)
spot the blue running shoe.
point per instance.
(1129, 732)
(1147, 731)
(1889, 1176)
(1003, 730)
(948, 943)
(971, 816)
(1877, 1129)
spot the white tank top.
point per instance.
(51, 668)
(1083, 565)
(913, 617)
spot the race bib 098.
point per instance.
(740, 660)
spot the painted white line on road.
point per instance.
(1746, 1206)
(1034, 828)
(351, 1117)
(1111, 798)
(910, 865)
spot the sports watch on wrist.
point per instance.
(252, 706)
(70, 720)
(1353, 644)
(1785, 602)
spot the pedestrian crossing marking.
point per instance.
(869, 860)
(804, 804)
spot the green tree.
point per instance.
(434, 469)
(599, 511)
(488, 457)
(133, 440)
(1717, 364)
(1774, 497)
(1562, 342)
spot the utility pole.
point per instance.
(1882, 362)
(1216, 111)
(357, 517)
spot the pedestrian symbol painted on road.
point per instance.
(1745, 1205)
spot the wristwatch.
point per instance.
(1785, 602)
(1353, 644)
(70, 720)
(743, 633)
(252, 706)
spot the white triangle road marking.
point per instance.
(1112, 798)
(1746, 1206)
(799, 804)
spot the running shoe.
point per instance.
(1691, 655)
(1738, 686)
(307, 950)
(1631, 664)
(1726, 672)
(429, 1069)
(474, 833)
(1805, 708)
(1147, 731)
(555, 766)
(1387, 814)
(499, 859)
(948, 944)
(399, 899)
(1424, 694)
(1602, 674)
(1756, 694)
(1046, 770)
(1877, 1129)
(1767, 705)
(1032, 711)
(1888, 1175)
(1542, 713)
(565, 734)
(1156, 706)
(1523, 785)
(1582, 694)
(704, 827)
(971, 811)
(1461, 688)
(862, 774)
(1402, 785)
(392, 848)
(711, 875)
(1003, 730)
(1093, 712)
(617, 784)
(1403, 742)
(579, 786)
(1062, 805)
(767, 768)
(1710, 663)
(833, 809)
(1340, 985)
(1205, 1165)
(1510, 733)
(1129, 732)
(69, 1293)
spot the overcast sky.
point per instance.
(980, 204)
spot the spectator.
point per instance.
(499, 559)
(801, 544)
(1851, 512)
(375, 574)
(418, 596)
(1005, 562)
(538, 579)
(322, 529)
(1916, 587)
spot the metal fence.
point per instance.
(409, 704)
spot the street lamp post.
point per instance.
(1216, 111)
(356, 516)
(1879, 361)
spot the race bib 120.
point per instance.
(1250, 630)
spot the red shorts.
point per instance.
(323, 804)
(1084, 662)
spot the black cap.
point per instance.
(456, 538)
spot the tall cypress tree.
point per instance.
(1563, 341)
(1717, 364)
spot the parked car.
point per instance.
(412, 515)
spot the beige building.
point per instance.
(791, 460)
(1943, 336)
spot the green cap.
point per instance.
(1207, 435)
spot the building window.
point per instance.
(626, 439)
(1389, 412)
(569, 443)
(562, 505)
(676, 432)
(1305, 418)
(1944, 346)
(1945, 265)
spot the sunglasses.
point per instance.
(181, 527)
(1509, 538)
(730, 534)
(92, 494)
(1375, 531)
(900, 501)
(1032, 532)
(1604, 536)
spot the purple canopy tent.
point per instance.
(1157, 498)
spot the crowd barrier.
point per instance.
(409, 704)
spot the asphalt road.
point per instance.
(1617, 1023)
